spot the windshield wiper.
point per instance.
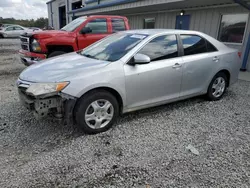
(89, 56)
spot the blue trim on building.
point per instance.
(246, 55)
(90, 1)
(243, 3)
(103, 5)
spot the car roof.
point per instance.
(162, 31)
(110, 16)
(152, 32)
(14, 25)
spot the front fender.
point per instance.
(72, 92)
(103, 85)
(108, 76)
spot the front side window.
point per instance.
(98, 25)
(149, 23)
(163, 47)
(74, 24)
(232, 28)
(9, 28)
(113, 47)
(193, 44)
(118, 24)
(18, 28)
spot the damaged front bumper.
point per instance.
(60, 105)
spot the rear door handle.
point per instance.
(176, 65)
(216, 59)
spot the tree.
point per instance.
(40, 22)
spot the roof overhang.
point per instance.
(123, 7)
(51, 1)
(244, 3)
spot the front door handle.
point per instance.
(216, 59)
(176, 65)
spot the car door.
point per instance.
(18, 31)
(98, 30)
(160, 80)
(10, 32)
(201, 60)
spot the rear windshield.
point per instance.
(74, 24)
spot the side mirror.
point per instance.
(85, 30)
(140, 59)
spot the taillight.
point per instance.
(239, 54)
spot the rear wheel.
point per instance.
(56, 53)
(217, 87)
(96, 111)
(1, 36)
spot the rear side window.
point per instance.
(210, 47)
(193, 44)
(162, 47)
(118, 24)
(98, 25)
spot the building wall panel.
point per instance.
(206, 20)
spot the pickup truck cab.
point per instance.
(75, 36)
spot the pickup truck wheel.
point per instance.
(96, 111)
(56, 53)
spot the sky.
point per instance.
(23, 9)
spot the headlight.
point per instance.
(46, 88)
(35, 46)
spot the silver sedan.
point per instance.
(128, 71)
(13, 31)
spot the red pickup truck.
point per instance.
(75, 36)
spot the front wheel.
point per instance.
(96, 111)
(217, 87)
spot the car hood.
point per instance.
(61, 68)
(50, 33)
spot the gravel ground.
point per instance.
(144, 149)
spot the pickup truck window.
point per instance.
(114, 47)
(118, 24)
(98, 25)
(74, 24)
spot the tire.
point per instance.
(92, 106)
(56, 53)
(214, 92)
(1, 36)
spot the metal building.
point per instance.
(226, 20)
(58, 11)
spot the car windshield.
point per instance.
(113, 47)
(74, 24)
